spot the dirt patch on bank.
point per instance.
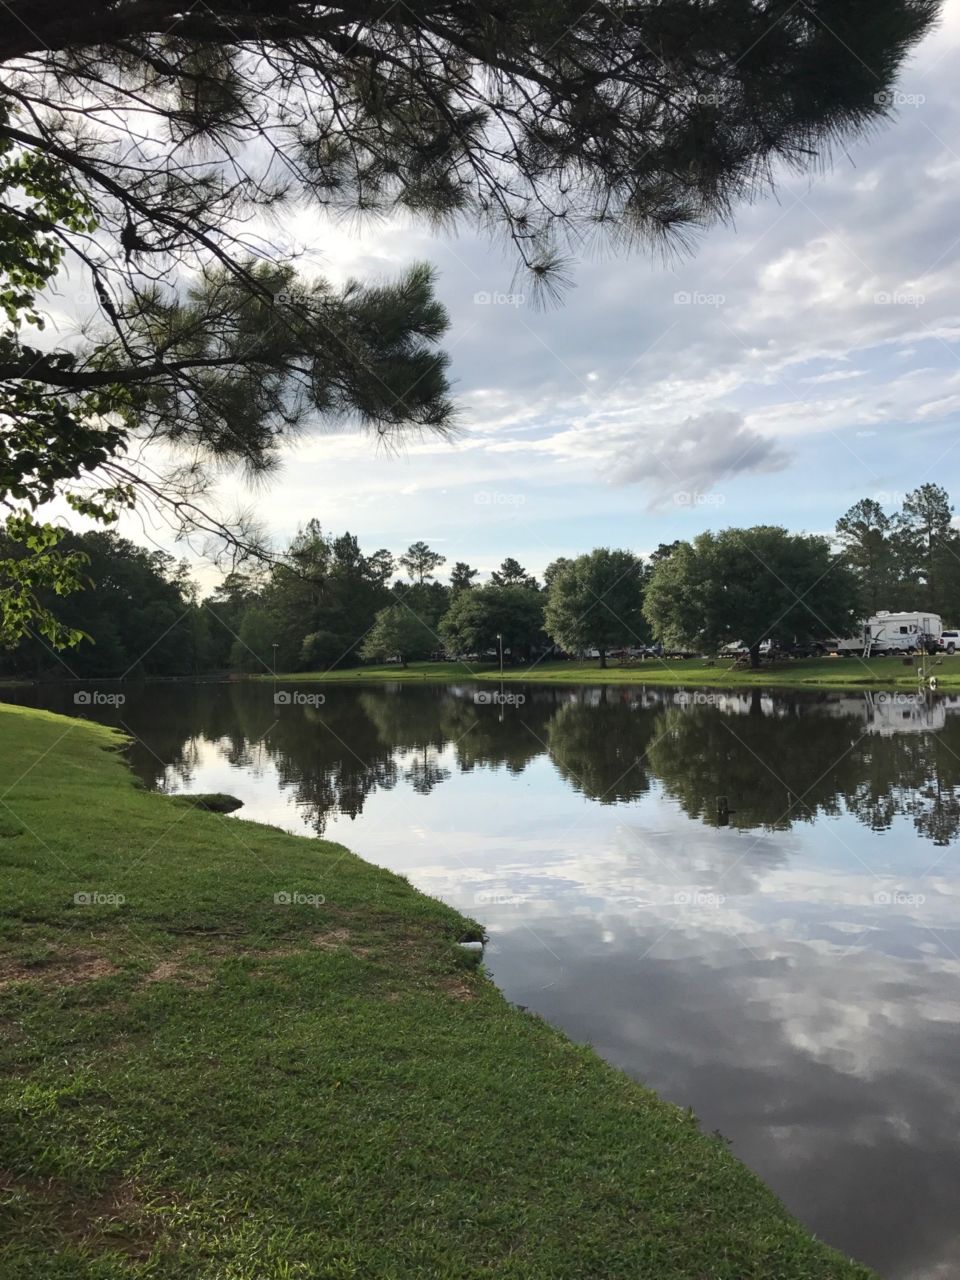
(458, 988)
(115, 1220)
(338, 940)
(177, 971)
(63, 969)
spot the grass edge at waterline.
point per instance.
(831, 673)
(229, 1050)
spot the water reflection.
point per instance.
(775, 760)
(784, 961)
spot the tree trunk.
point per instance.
(754, 657)
(603, 658)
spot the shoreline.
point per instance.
(239, 1045)
(840, 674)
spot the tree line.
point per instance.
(909, 559)
(327, 603)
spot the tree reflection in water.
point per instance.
(748, 759)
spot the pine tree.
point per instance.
(865, 534)
(928, 550)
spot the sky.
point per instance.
(799, 360)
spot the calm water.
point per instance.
(785, 964)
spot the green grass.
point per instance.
(837, 673)
(200, 1082)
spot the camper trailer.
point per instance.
(887, 632)
(843, 646)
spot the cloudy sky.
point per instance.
(798, 361)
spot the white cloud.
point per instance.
(696, 455)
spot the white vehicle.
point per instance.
(949, 642)
(737, 646)
(845, 646)
(889, 632)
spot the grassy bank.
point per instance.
(835, 673)
(201, 1081)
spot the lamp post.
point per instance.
(274, 647)
(500, 643)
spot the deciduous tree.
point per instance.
(595, 602)
(397, 632)
(476, 619)
(750, 585)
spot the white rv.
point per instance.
(843, 646)
(887, 632)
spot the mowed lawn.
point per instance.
(837, 673)
(199, 1080)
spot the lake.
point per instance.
(748, 901)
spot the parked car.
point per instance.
(737, 647)
(949, 641)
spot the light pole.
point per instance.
(274, 647)
(500, 643)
